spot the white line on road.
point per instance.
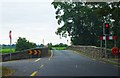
(51, 55)
(37, 60)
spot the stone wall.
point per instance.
(24, 54)
(93, 51)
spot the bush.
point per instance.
(23, 44)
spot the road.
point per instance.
(62, 63)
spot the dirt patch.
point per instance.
(7, 71)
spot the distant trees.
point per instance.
(50, 45)
(60, 45)
(8, 46)
(23, 44)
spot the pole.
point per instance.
(43, 41)
(101, 46)
(67, 41)
(115, 43)
(105, 39)
(10, 43)
(105, 47)
(10, 47)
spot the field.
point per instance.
(7, 50)
(59, 48)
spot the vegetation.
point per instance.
(60, 46)
(83, 21)
(23, 44)
(7, 50)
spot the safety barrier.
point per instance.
(26, 54)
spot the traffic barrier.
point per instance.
(26, 54)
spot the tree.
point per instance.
(84, 20)
(49, 46)
(112, 9)
(77, 22)
(23, 44)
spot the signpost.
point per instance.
(115, 51)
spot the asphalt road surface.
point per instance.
(62, 63)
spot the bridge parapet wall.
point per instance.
(25, 54)
(93, 51)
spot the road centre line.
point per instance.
(37, 60)
(41, 66)
(51, 55)
(34, 73)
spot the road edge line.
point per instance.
(51, 55)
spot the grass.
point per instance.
(111, 61)
(59, 48)
(7, 71)
(7, 50)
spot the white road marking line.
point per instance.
(37, 60)
(51, 55)
(34, 73)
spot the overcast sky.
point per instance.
(32, 19)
